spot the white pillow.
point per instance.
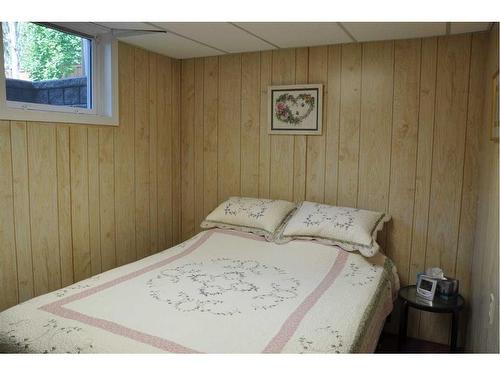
(351, 229)
(254, 215)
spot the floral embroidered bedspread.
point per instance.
(219, 292)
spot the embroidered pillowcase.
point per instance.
(351, 229)
(259, 216)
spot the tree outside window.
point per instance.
(33, 52)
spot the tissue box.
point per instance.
(447, 288)
(418, 277)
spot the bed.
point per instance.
(222, 291)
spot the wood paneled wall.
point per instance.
(401, 121)
(76, 200)
(483, 334)
(401, 126)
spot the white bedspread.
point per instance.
(219, 292)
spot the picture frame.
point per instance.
(495, 116)
(295, 109)
(426, 287)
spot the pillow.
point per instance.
(259, 216)
(351, 229)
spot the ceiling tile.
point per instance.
(297, 34)
(88, 28)
(170, 45)
(196, 39)
(468, 27)
(368, 31)
(127, 25)
(221, 35)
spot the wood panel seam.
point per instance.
(340, 125)
(465, 153)
(431, 171)
(9, 125)
(71, 206)
(360, 121)
(57, 196)
(392, 129)
(416, 160)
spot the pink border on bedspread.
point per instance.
(275, 345)
(290, 326)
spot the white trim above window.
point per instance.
(104, 81)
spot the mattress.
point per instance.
(221, 291)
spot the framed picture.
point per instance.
(295, 109)
(494, 109)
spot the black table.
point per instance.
(409, 297)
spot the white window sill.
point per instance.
(17, 114)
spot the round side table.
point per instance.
(409, 297)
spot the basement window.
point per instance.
(54, 73)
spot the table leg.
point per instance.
(454, 332)
(403, 322)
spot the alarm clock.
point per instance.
(426, 287)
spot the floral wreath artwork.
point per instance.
(295, 109)
(286, 114)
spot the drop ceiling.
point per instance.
(196, 39)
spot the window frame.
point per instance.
(104, 88)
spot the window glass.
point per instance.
(46, 66)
